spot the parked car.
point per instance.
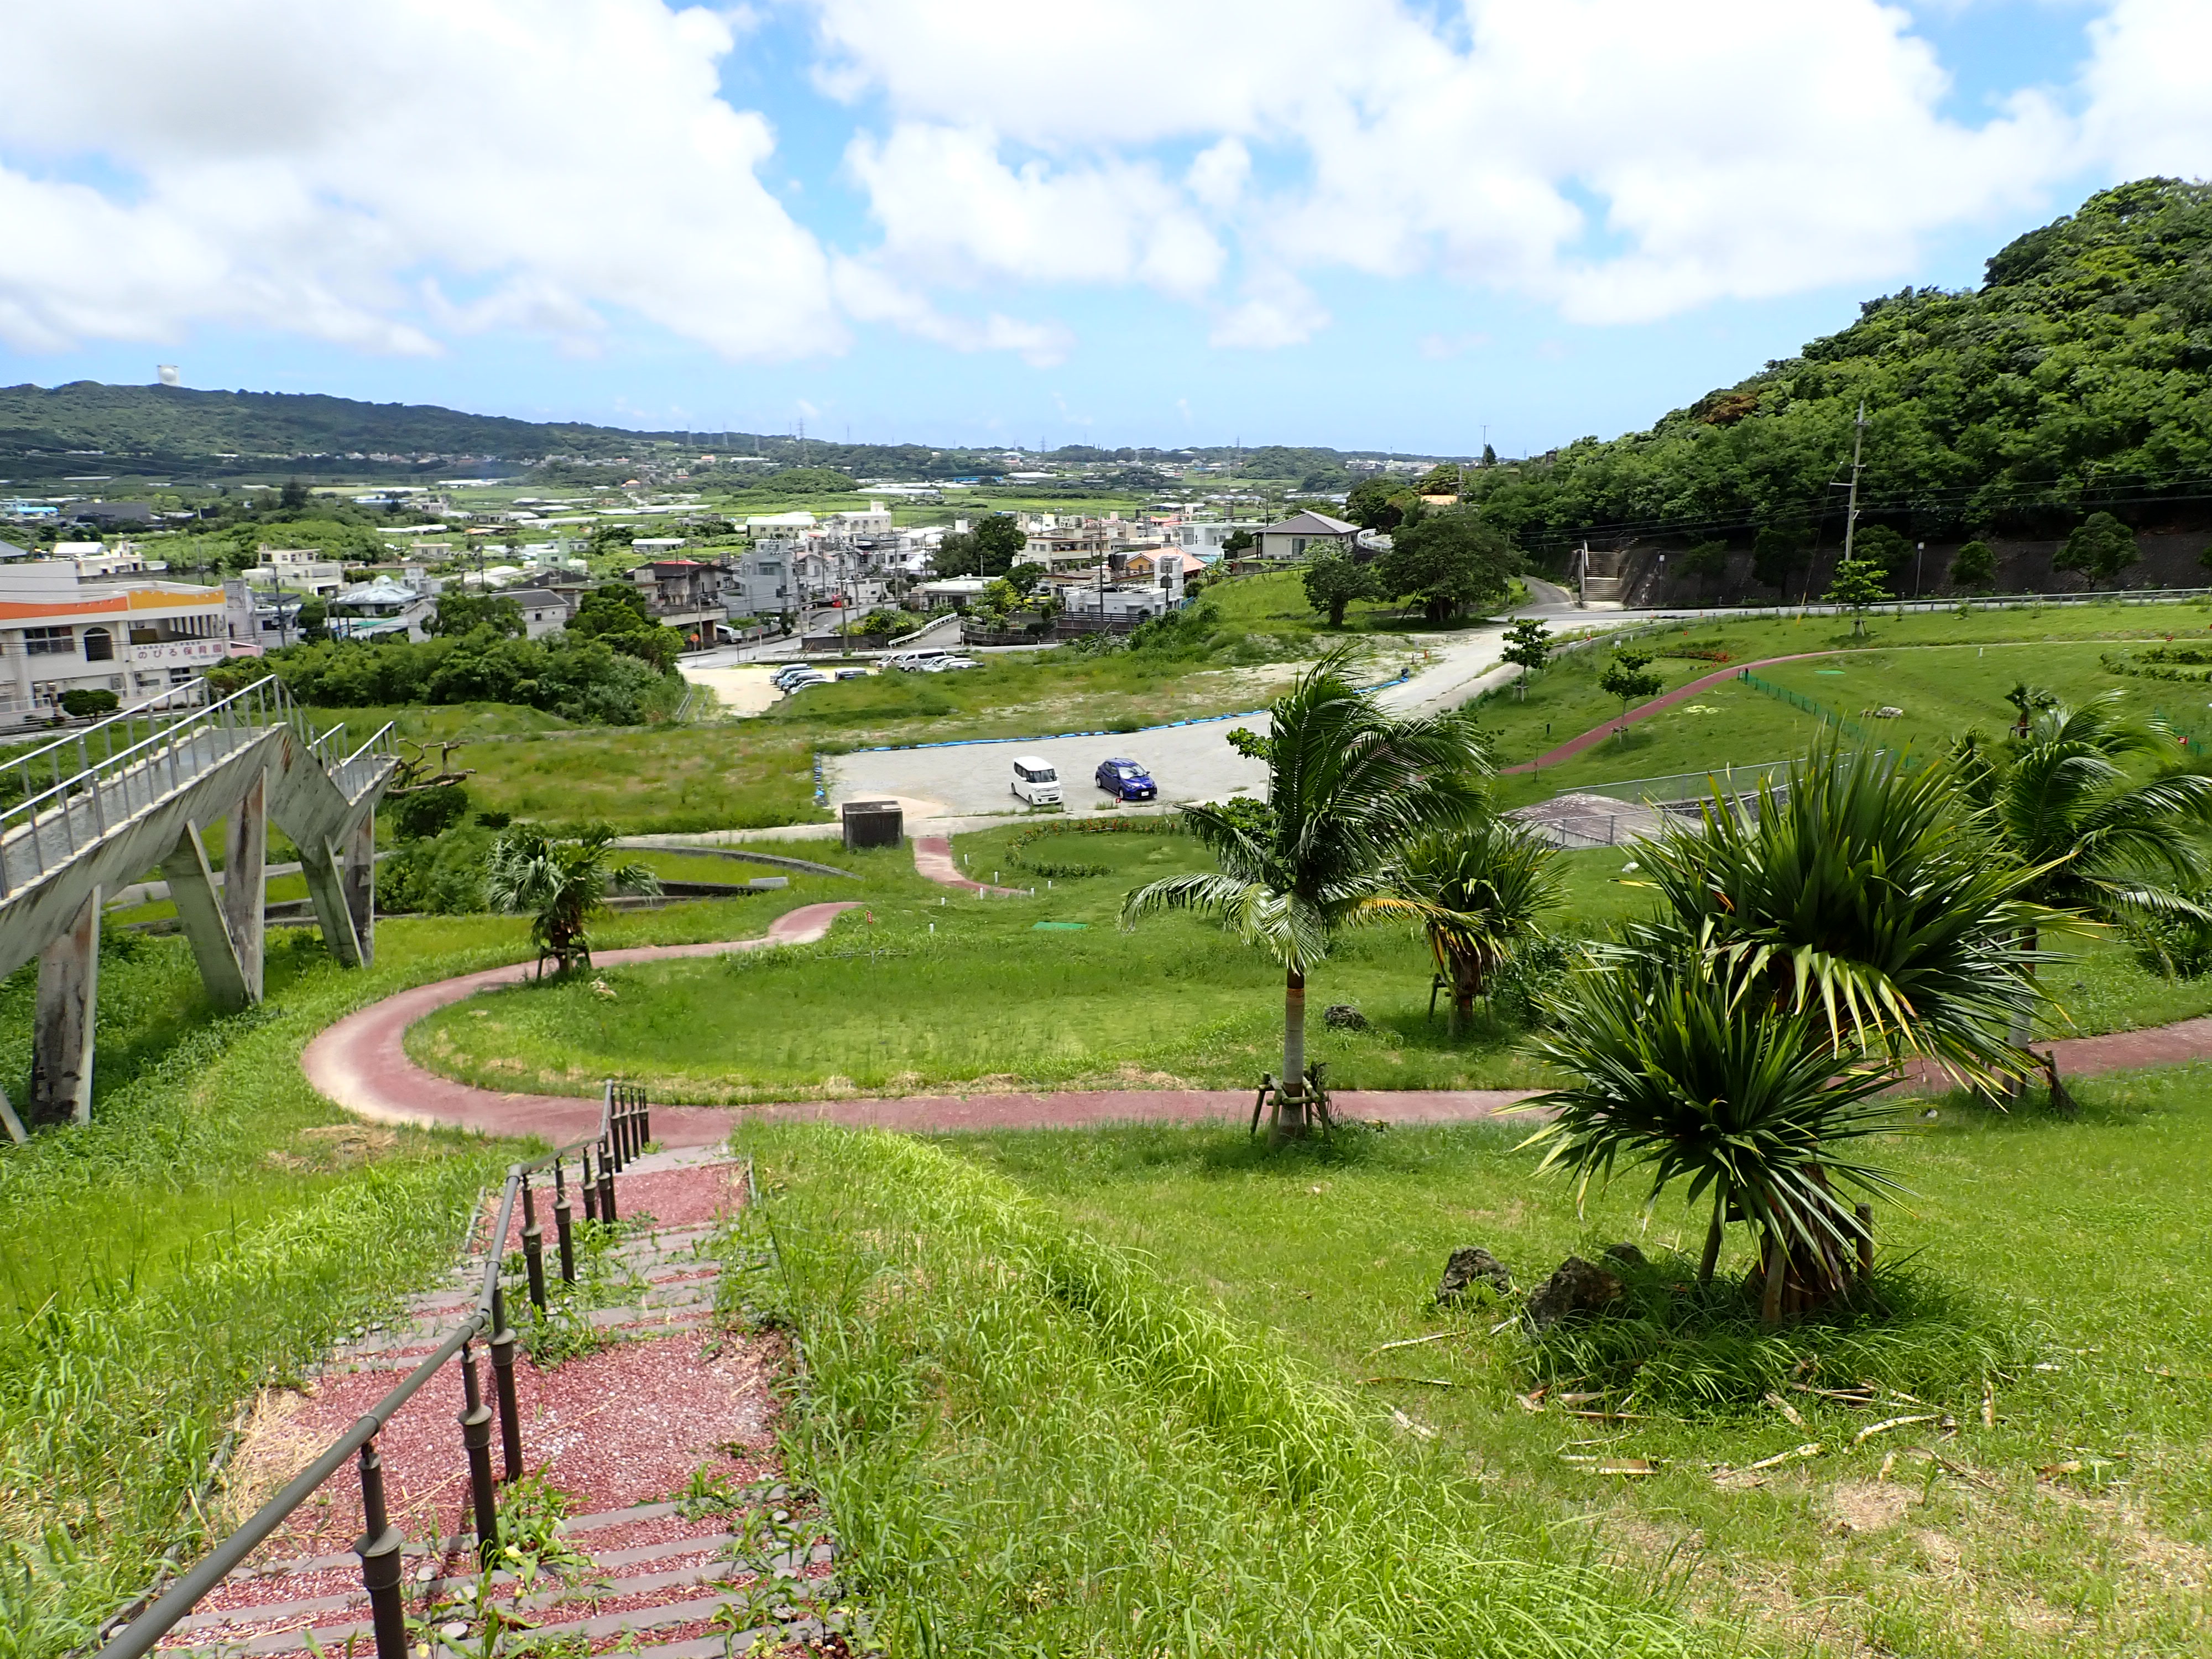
(798, 683)
(851, 673)
(1037, 781)
(1125, 779)
(947, 665)
(914, 662)
(791, 672)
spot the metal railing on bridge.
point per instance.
(65, 797)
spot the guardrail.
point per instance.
(625, 1128)
(115, 773)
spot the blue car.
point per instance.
(1125, 779)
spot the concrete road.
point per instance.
(1189, 762)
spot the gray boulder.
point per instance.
(1343, 1017)
(1469, 1266)
(1579, 1286)
(1627, 1255)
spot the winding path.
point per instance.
(1597, 734)
(362, 1063)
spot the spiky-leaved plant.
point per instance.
(562, 884)
(1349, 786)
(1862, 896)
(1685, 1063)
(2065, 801)
(1476, 890)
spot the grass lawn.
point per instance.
(886, 1006)
(2077, 1524)
(1942, 693)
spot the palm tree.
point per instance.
(1349, 787)
(2091, 834)
(1476, 890)
(564, 884)
(1683, 1062)
(1860, 896)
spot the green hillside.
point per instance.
(2077, 378)
(156, 431)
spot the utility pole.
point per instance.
(1851, 508)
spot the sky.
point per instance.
(1363, 223)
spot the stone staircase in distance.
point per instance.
(652, 1517)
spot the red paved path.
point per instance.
(1597, 734)
(933, 857)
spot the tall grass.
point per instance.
(156, 1267)
(1031, 1445)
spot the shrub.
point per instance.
(428, 813)
(82, 700)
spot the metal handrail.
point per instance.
(624, 1129)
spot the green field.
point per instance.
(1958, 687)
(2061, 1529)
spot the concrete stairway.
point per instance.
(682, 1538)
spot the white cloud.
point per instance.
(312, 169)
(1617, 160)
(2149, 87)
(952, 210)
(870, 296)
(1277, 310)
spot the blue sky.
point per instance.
(1360, 223)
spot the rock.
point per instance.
(1627, 1253)
(1343, 1017)
(1471, 1266)
(1579, 1286)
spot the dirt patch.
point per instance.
(1856, 1506)
(278, 1441)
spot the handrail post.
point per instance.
(475, 1439)
(502, 1374)
(644, 1121)
(533, 1247)
(591, 1189)
(379, 1548)
(606, 1188)
(563, 1226)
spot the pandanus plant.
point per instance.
(1349, 787)
(562, 884)
(1807, 948)
(1687, 1064)
(1476, 892)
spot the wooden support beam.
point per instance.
(326, 889)
(246, 880)
(61, 1035)
(192, 886)
(361, 885)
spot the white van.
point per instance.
(1036, 782)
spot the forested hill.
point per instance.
(156, 431)
(2077, 378)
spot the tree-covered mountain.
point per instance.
(2077, 378)
(158, 431)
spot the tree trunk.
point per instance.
(2021, 1031)
(1712, 1258)
(1290, 1099)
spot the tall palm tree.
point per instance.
(1476, 890)
(1682, 1061)
(1349, 786)
(2065, 797)
(1860, 895)
(564, 883)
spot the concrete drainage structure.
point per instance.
(95, 810)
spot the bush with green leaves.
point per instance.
(424, 812)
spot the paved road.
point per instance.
(1189, 762)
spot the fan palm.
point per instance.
(562, 885)
(1476, 890)
(2061, 799)
(1348, 786)
(1860, 896)
(1685, 1063)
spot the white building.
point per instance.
(299, 569)
(543, 611)
(146, 641)
(1303, 535)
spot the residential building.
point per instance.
(382, 609)
(683, 595)
(1204, 536)
(543, 611)
(1303, 535)
(146, 641)
(758, 582)
(299, 570)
